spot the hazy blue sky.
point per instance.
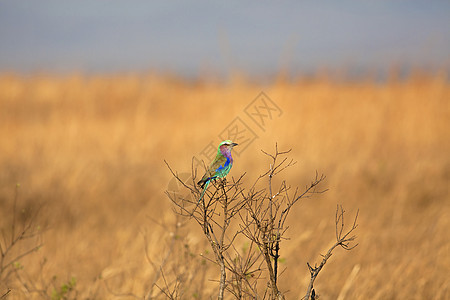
(189, 37)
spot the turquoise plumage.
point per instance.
(219, 167)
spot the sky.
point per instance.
(195, 37)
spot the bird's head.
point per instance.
(226, 146)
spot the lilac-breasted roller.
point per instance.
(219, 167)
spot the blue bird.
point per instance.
(219, 167)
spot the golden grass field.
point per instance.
(88, 153)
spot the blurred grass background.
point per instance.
(89, 150)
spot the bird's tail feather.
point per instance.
(202, 183)
(201, 196)
(204, 190)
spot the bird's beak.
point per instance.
(234, 144)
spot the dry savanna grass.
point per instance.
(88, 153)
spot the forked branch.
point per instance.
(343, 239)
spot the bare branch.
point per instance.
(261, 215)
(341, 240)
(5, 294)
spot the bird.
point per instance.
(219, 167)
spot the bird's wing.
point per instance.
(218, 163)
(214, 169)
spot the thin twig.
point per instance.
(341, 240)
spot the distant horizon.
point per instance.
(395, 71)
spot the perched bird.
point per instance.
(219, 167)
